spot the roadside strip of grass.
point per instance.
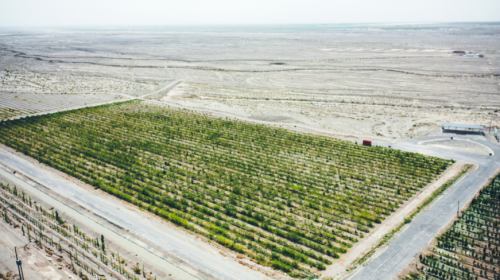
(408, 219)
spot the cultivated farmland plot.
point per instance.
(470, 248)
(287, 200)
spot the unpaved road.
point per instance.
(426, 225)
(150, 229)
(168, 87)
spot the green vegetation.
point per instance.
(288, 200)
(470, 248)
(408, 220)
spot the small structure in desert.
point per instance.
(461, 128)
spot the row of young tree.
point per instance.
(50, 232)
(290, 200)
(470, 249)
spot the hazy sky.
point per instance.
(197, 12)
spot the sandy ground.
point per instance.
(35, 262)
(460, 145)
(26, 81)
(338, 268)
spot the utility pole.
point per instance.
(19, 266)
(458, 208)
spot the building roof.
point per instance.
(456, 125)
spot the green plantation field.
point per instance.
(470, 249)
(289, 200)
